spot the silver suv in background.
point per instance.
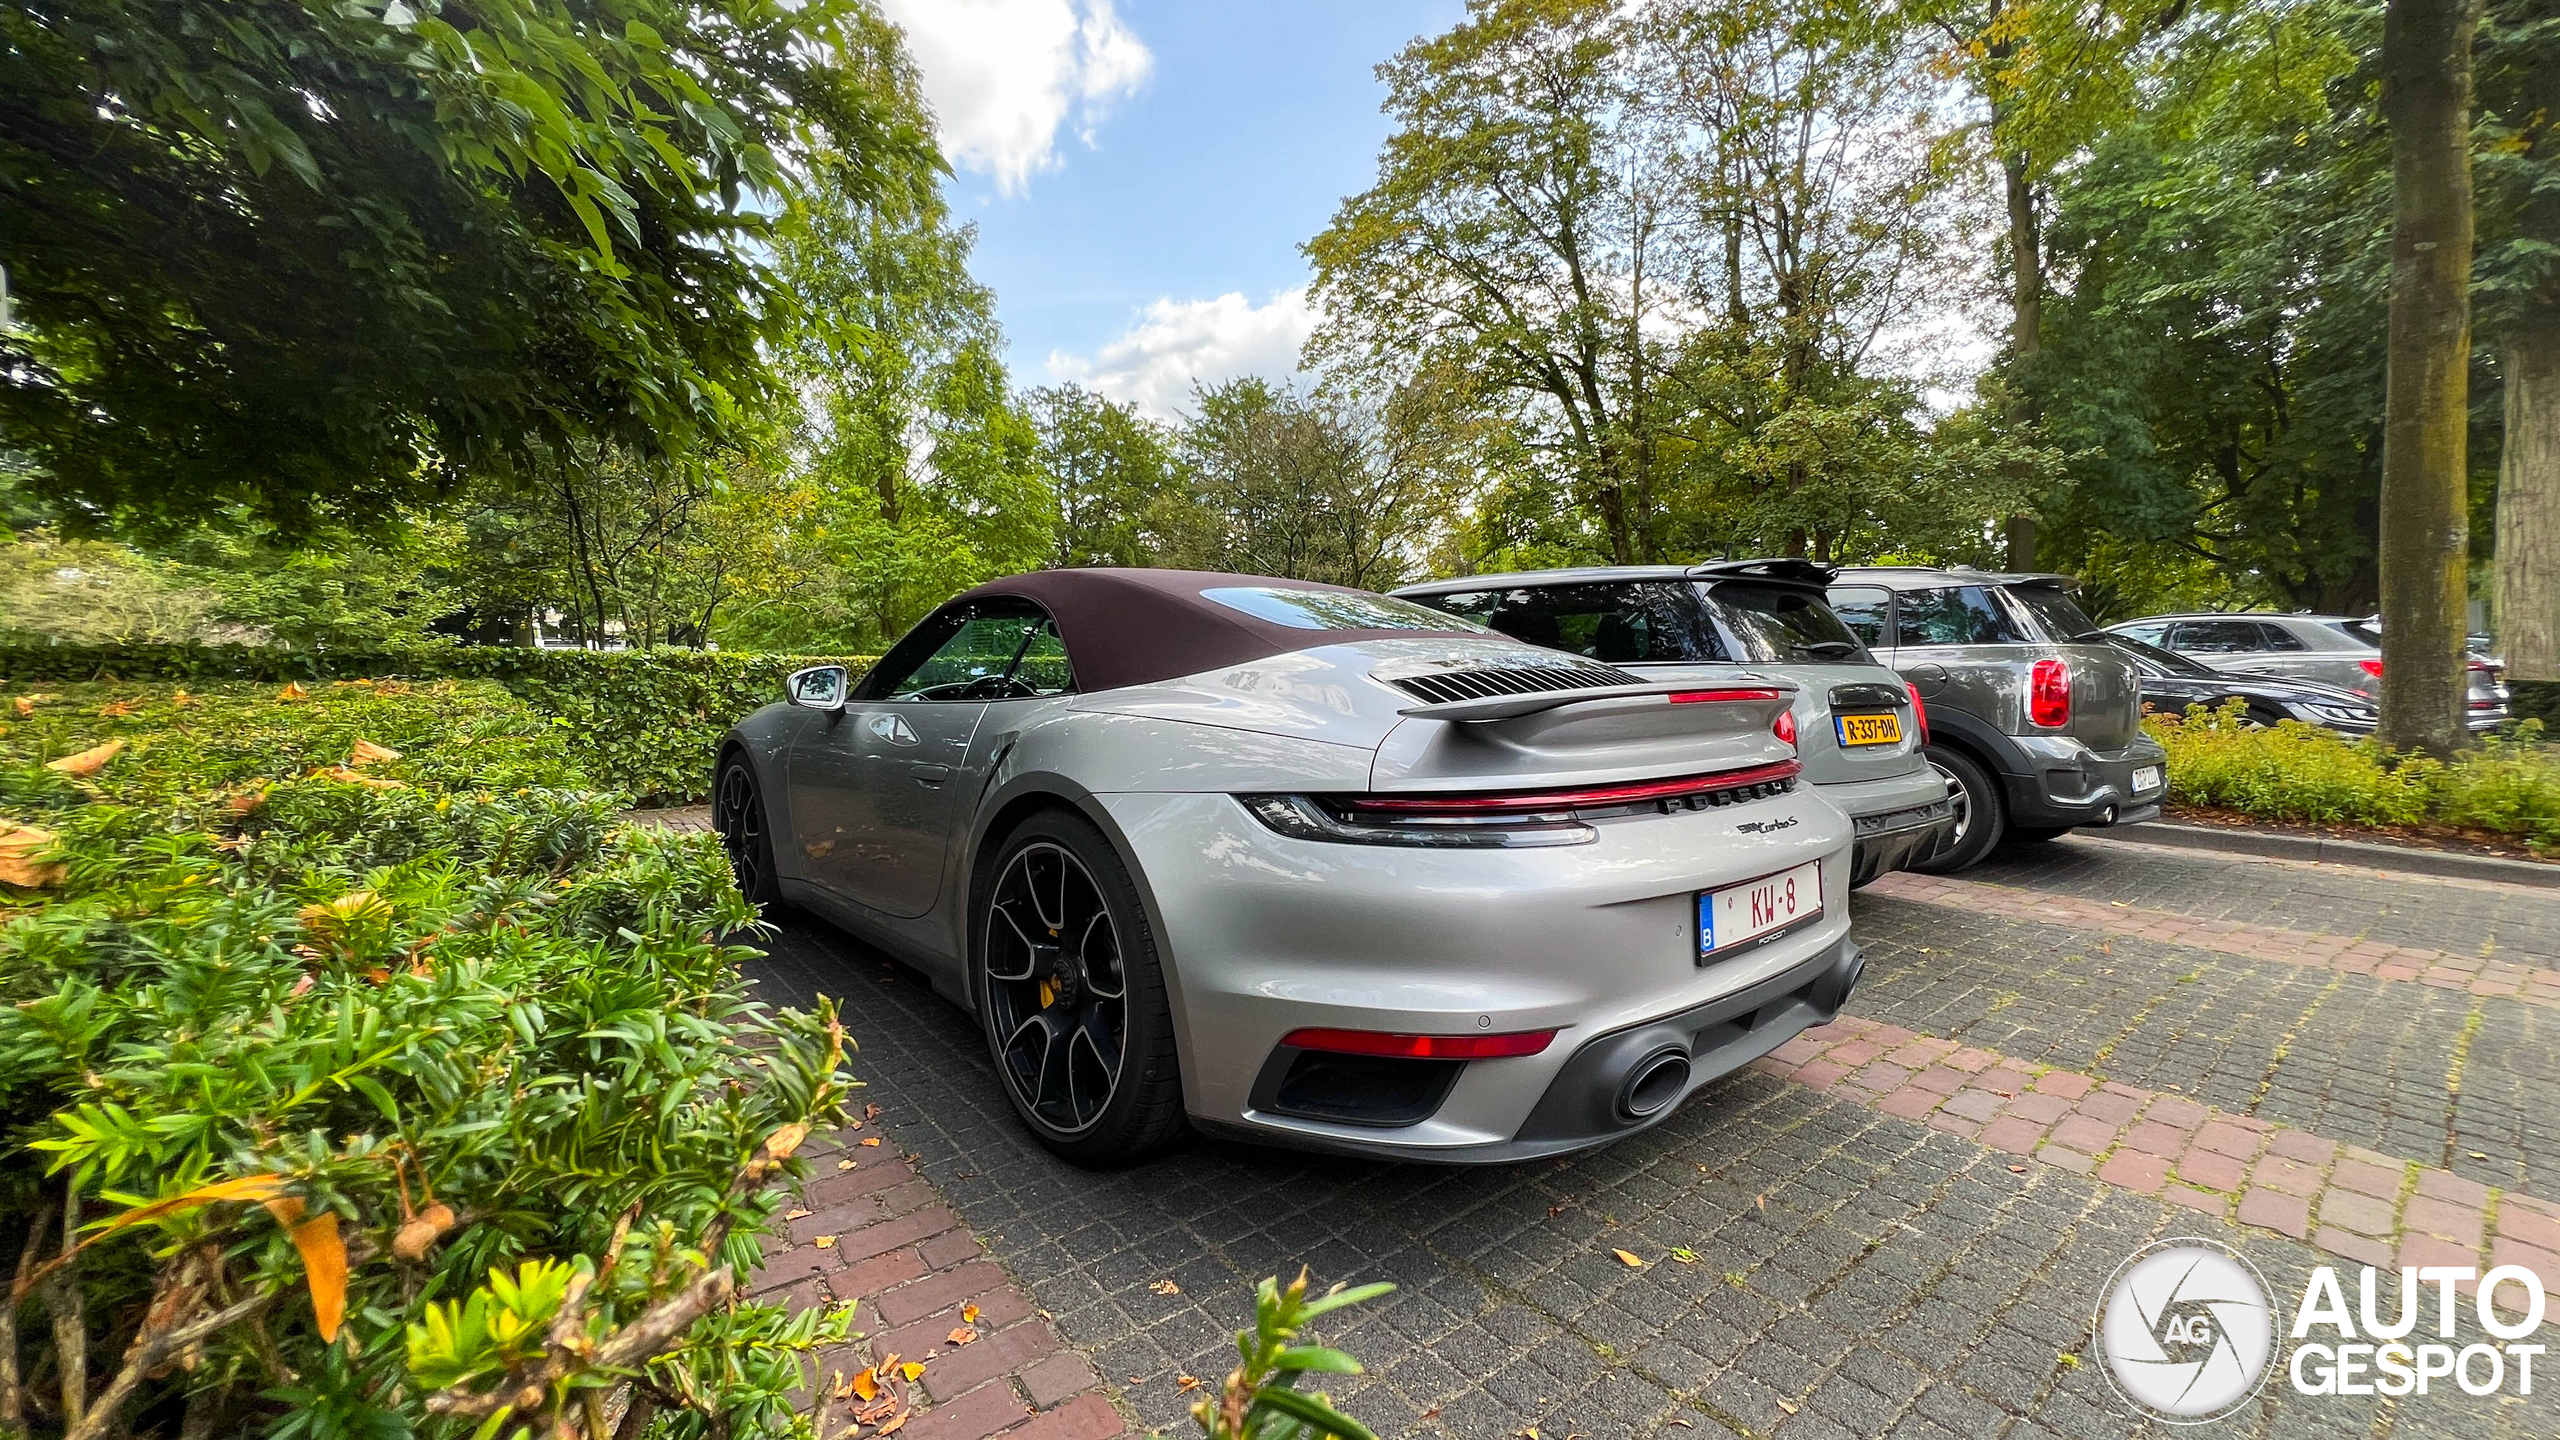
(2335, 650)
(2036, 725)
(1858, 729)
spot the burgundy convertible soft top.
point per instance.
(1136, 627)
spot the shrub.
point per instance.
(2510, 786)
(647, 722)
(361, 1100)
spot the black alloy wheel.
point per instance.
(1073, 1001)
(737, 812)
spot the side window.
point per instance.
(1961, 615)
(1866, 610)
(2216, 637)
(1001, 649)
(2149, 632)
(1476, 605)
(2277, 637)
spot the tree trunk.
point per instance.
(2528, 566)
(2026, 329)
(2426, 99)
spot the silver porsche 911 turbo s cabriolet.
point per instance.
(1304, 864)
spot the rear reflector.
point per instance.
(1538, 801)
(1710, 697)
(1421, 1047)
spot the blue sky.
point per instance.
(1142, 172)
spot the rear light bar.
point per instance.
(2049, 694)
(1919, 712)
(1421, 1047)
(1531, 802)
(1711, 697)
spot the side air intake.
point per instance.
(1442, 686)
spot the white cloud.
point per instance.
(1005, 75)
(1176, 342)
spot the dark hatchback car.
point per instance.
(2035, 719)
(2171, 682)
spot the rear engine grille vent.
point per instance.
(1442, 686)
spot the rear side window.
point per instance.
(1625, 623)
(2150, 632)
(2217, 637)
(1779, 623)
(2278, 637)
(2054, 610)
(1865, 609)
(1957, 615)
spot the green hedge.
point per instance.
(644, 721)
(2508, 786)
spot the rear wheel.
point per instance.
(737, 812)
(1981, 815)
(1072, 995)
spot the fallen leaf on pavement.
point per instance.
(866, 1384)
(1165, 1287)
(1187, 1382)
(1787, 1405)
(961, 1336)
(912, 1369)
(873, 1142)
(798, 1215)
(1762, 1201)
(1684, 1254)
(844, 1164)
(1629, 1259)
(825, 1242)
(2017, 1169)
(892, 1425)
(969, 1313)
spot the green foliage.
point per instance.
(389, 1101)
(1260, 1400)
(313, 259)
(645, 722)
(2509, 787)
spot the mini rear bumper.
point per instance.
(2070, 784)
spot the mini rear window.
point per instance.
(1956, 615)
(1331, 609)
(2055, 610)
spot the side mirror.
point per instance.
(820, 687)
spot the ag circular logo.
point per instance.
(2187, 1330)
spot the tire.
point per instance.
(1982, 816)
(1036, 999)
(738, 814)
(2034, 834)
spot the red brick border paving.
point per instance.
(2534, 985)
(2369, 1208)
(868, 1229)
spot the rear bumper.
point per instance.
(2070, 784)
(1898, 821)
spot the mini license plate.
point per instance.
(1868, 729)
(1738, 913)
(2146, 778)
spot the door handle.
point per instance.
(930, 774)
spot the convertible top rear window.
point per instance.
(1332, 609)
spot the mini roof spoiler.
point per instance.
(1808, 573)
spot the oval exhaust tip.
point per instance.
(1657, 1082)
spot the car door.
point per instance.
(884, 791)
(2283, 652)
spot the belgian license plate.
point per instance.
(1868, 729)
(1740, 913)
(2146, 778)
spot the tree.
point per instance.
(1107, 465)
(2426, 98)
(304, 262)
(2519, 288)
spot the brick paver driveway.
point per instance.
(1900, 1224)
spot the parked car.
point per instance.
(2035, 722)
(1859, 727)
(1306, 864)
(2340, 650)
(2171, 682)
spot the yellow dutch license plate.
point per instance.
(1868, 729)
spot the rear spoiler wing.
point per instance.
(1512, 707)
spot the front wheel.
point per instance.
(1072, 995)
(737, 812)
(1981, 815)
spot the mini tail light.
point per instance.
(1784, 727)
(2049, 694)
(1919, 713)
(1421, 1047)
(2370, 667)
